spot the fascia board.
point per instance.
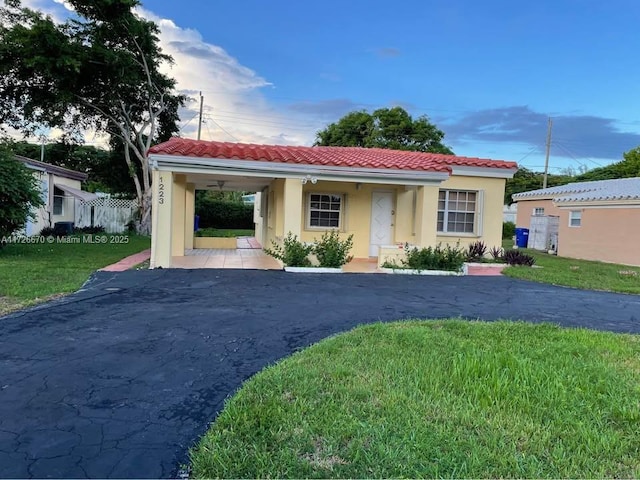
(491, 172)
(180, 164)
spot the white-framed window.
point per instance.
(325, 210)
(538, 212)
(575, 218)
(58, 201)
(457, 211)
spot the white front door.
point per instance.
(381, 221)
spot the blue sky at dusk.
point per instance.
(488, 74)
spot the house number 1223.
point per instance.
(161, 191)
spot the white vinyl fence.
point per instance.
(111, 213)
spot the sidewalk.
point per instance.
(128, 262)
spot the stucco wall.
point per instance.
(41, 217)
(357, 212)
(526, 208)
(491, 222)
(606, 234)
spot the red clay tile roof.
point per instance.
(326, 156)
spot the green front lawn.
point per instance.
(227, 233)
(437, 399)
(30, 273)
(583, 274)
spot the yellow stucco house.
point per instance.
(383, 197)
(60, 188)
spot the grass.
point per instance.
(583, 274)
(32, 273)
(221, 232)
(437, 399)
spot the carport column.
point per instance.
(293, 203)
(179, 211)
(161, 219)
(189, 214)
(426, 216)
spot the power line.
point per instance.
(222, 128)
(572, 156)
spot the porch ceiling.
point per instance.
(228, 182)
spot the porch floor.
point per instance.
(249, 255)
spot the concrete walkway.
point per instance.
(129, 262)
(120, 379)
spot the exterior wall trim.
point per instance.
(179, 164)
(483, 171)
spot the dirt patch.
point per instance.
(322, 457)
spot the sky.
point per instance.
(489, 74)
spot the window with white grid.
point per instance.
(324, 210)
(457, 211)
(575, 218)
(538, 211)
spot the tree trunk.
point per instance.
(144, 225)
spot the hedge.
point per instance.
(224, 214)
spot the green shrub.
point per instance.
(508, 229)
(434, 258)
(331, 251)
(516, 257)
(476, 251)
(19, 193)
(224, 214)
(292, 252)
(496, 253)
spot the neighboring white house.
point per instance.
(510, 212)
(59, 187)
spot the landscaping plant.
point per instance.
(476, 251)
(434, 258)
(19, 194)
(517, 258)
(331, 251)
(508, 229)
(292, 252)
(496, 253)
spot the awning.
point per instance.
(79, 194)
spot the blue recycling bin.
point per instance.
(522, 237)
(196, 223)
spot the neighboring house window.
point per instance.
(58, 201)
(325, 210)
(575, 218)
(538, 211)
(457, 211)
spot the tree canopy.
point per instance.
(99, 70)
(391, 128)
(19, 193)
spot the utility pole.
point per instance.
(42, 140)
(200, 120)
(546, 160)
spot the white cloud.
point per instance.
(56, 9)
(235, 107)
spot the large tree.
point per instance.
(391, 128)
(19, 194)
(99, 70)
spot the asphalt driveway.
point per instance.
(120, 379)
